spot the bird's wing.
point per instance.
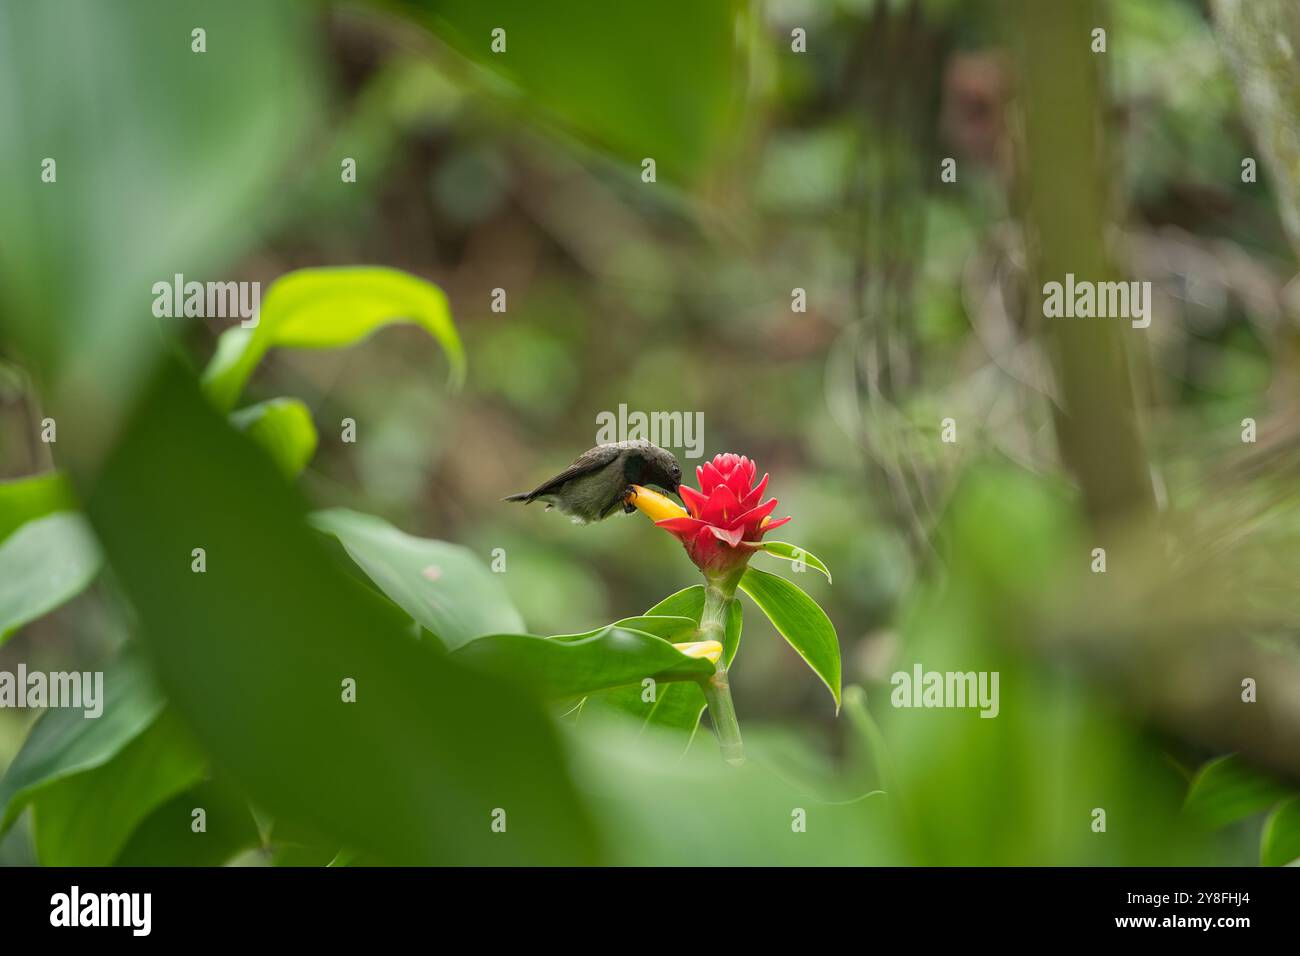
(591, 460)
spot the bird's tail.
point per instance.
(524, 496)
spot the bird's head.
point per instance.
(662, 469)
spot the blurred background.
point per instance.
(809, 155)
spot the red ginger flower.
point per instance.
(725, 521)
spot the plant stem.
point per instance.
(718, 595)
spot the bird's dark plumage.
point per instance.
(597, 483)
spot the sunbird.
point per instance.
(600, 480)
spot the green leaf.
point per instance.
(254, 653)
(85, 819)
(676, 707)
(296, 855)
(792, 552)
(167, 837)
(43, 564)
(444, 587)
(574, 665)
(870, 741)
(800, 621)
(326, 309)
(282, 426)
(636, 80)
(64, 742)
(1227, 789)
(154, 177)
(47, 554)
(688, 602)
(26, 499)
(1279, 844)
(674, 630)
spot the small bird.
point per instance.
(601, 479)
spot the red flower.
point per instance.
(725, 521)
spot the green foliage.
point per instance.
(283, 427)
(792, 552)
(254, 654)
(801, 621)
(64, 743)
(674, 707)
(140, 163)
(689, 603)
(330, 308)
(1280, 841)
(452, 715)
(635, 80)
(662, 807)
(47, 553)
(1227, 790)
(867, 738)
(43, 564)
(580, 664)
(168, 838)
(442, 586)
(85, 819)
(672, 628)
(26, 499)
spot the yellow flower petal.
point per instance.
(654, 505)
(711, 650)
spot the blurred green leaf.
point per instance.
(85, 819)
(154, 177)
(445, 587)
(801, 621)
(795, 553)
(1227, 789)
(330, 308)
(282, 426)
(42, 565)
(574, 665)
(64, 742)
(1007, 536)
(167, 836)
(636, 80)
(255, 652)
(870, 741)
(293, 854)
(24, 499)
(663, 807)
(1279, 844)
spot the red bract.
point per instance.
(725, 520)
